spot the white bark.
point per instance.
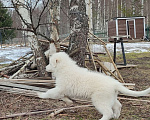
(142, 10)
(121, 8)
(34, 43)
(104, 14)
(25, 14)
(117, 9)
(89, 13)
(98, 15)
(147, 9)
(55, 18)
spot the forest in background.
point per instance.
(102, 11)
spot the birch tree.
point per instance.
(79, 31)
(25, 10)
(54, 9)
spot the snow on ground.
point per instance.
(128, 47)
(12, 53)
(9, 54)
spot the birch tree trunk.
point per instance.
(34, 43)
(98, 26)
(55, 19)
(79, 31)
(89, 13)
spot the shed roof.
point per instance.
(138, 17)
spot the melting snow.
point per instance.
(128, 47)
(9, 54)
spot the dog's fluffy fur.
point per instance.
(74, 81)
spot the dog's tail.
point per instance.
(128, 92)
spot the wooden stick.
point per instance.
(134, 99)
(98, 38)
(21, 86)
(11, 67)
(56, 112)
(21, 68)
(121, 79)
(119, 75)
(44, 111)
(106, 69)
(65, 39)
(25, 80)
(91, 55)
(3, 75)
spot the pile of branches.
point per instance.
(19, 66)
(25, 66)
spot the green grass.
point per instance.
(137, 55)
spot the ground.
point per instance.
(131, 110)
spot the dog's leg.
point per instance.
(103, 105)
(54, 93)
(117, 109)
(67, 100)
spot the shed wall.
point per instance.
(139, 28)
(112, 28)
(122, 27)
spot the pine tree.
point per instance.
(5, 21)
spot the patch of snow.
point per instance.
(12, 53)
(128, 47)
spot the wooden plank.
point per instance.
(18, 91)
(25, 80)
(31, 71)
(39, 83)
(44, 78)
(126, 66)
(21, 86)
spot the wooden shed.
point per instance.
(128, 27)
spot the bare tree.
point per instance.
(25, 10)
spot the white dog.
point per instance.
(74, 81)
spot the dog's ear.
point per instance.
(54, 62)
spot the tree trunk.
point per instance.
(34, 43)
(55, 19)
(79, 31)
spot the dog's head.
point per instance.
(58, 61)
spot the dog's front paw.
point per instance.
(41, 95)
